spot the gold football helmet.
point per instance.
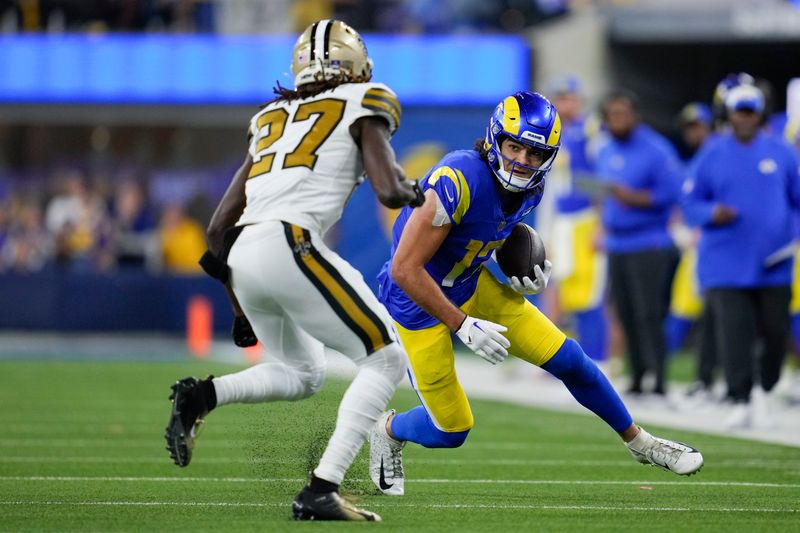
(330, 49)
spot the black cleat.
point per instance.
(188, 409)
(309, 505)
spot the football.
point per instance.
(520, 252)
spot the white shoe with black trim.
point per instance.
(666, 454)
(386, 458)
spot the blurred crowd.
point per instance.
(100, 225)
(273, 16)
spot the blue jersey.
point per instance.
(760, 180)
(470, 195)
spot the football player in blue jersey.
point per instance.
(435, 284)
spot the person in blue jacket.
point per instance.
(641, 171)
(743, 190)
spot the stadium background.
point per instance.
(156, 96)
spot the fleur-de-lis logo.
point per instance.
(302, 248)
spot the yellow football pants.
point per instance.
(533, 338)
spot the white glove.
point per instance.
(484, 338)
(533, 286)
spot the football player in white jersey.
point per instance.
(308, 149)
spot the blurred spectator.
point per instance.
(686, 305)
(182, 241)
(110, 15)
(27, 245)
(641, 171)
(694, 122)
(579, 267)
(135, 240)
(742, 191)
(78, 220)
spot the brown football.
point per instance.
(520, 252)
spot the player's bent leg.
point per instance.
(432, 375)
(672, 456)
(192, 399)
(417, 426)
(588, 385)
(363, 404)
(294, 369)
(592, 390)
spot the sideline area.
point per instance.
(512, 381)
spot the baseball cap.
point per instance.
(745, 97)
(695, 112)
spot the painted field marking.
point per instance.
(162, 479)
(412, 505)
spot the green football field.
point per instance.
(82, 449)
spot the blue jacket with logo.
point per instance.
(760, 180)
(644, 161)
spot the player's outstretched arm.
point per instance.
(385, 175)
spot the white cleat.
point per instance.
(669, 455)
(386, 458)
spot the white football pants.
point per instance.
(300, 298)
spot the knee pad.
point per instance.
(390, 361)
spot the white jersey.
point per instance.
(305, 162)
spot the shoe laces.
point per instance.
(396, 449)
(667, 451)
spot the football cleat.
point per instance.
(386, 458)
(188, 410)
(308, 505)
(666, 454)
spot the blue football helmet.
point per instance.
(529, 119)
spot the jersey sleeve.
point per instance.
(452, 192)
(380, 100)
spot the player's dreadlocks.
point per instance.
(321, 84)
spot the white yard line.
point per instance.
(160, 479)
(416, 505)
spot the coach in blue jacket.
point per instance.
(642, 174)
(742, 190)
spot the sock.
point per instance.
(208, 392)
(417, 426)
(362, 404)
(588, 385)
(321, 485)
(266, 382)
